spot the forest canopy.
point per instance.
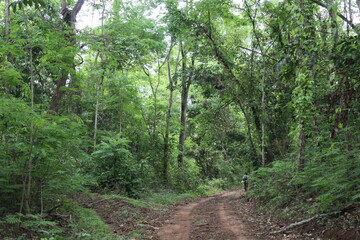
(180, 95)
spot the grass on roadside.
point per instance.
(166, 197)
(163, 198)
(86, 224)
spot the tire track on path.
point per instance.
(179, 226)
(229, 220)
(209, 219)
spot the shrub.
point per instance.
(115, 167)
(185, 178)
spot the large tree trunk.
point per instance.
(69, 18)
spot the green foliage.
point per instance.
(55, 149)
(115, 168)
(162, 197)
(35, 224)
(333, 178)
(21, 3)
(274, 186)
(264, 72)
(213, 186)
(329, 182)
(185, 178)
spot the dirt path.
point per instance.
(211, 218)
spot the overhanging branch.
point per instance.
(351, 24)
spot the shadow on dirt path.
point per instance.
(209, 218)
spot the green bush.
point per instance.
(52, 143)
(185, 178)
(115, 167)
(273, 186)
(35, 224)
(329, 182)
(333, 178)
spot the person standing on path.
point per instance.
(245, 181)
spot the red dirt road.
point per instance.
(211, 219)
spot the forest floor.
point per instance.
(229, 215)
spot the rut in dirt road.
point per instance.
(210, 218)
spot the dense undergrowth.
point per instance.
(329, 183)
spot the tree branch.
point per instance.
(353, 26)
(77, 8)
(260, 53)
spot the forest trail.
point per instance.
(209, 218)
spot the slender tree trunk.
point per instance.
(28, 178)
(98, 83)
(301, 139)
(7, 17)
(96, 112)
(185, 84)
(263, 156)
(168, 117)
(301, 145)
(256, 160)
(7, 33)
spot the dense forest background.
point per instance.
(180, 95)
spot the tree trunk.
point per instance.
(96, 112)
(301, 145)
(185, 86)
(168, 118)
(69, 18)
(263, 156)
(7, 17)
(301, 139)
(99, 82)
(256, 159)
(3, 84)
(28, 177)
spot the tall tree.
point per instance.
(186, 79)
(169, 111)
(68, 69)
